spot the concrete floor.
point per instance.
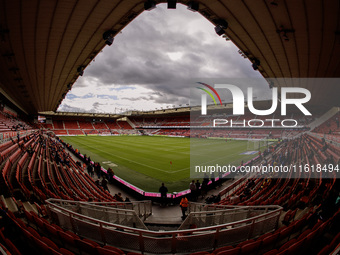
(170, 214)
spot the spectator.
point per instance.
(204, 187)
(57, 158)
(212, 178)
(90, 170)
(213, 199)
(184, 206)
(104, 184)
(110, 174)
(83, 167)
(198, 188)
(163, 190)
(246, 193)
(119, 197)
(251, 183)
(192, 188)
(234, 199)
(98, 169)
(78, 163)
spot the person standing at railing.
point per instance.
(163, 190)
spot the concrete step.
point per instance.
(4, 200)
(11, 205)
(29, 207)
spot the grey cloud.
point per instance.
(138, 56)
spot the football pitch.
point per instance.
(147, 161)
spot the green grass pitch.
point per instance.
(144, 161)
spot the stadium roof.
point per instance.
(44, 43)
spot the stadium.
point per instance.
(263, 174)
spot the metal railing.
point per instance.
(203, 215)
(234, 186)
(201, 207)
(142, 208)
(165, 242)
(131, 214)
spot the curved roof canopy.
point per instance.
(44, 45)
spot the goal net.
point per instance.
(256, 145)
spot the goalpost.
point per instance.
(256, 144)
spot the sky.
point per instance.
(154, 61)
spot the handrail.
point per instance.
(165, 241)
(156, 232)
(218, 207)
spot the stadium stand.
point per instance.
(49, 204)
(38, 168)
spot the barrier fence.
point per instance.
(165, 242)
(203, 215)
(130, 214)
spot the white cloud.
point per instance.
(112, 100)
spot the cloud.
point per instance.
(157, 58)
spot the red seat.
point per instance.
(287, 217)
(4, 248)
(72, 234)
(40, 223)
(51, 230)
(56, 227)
(54, 252)
(11, 247)
(66, 238)
(245, 242)
(295, 248)
(50, 243)
(66, 252)
(287, 245)
(335, 241)
(2, 237)
(284, 252)
(33, 232)
(29, 217)
(251, 248)
(234, 251)
(304, 234)
(268, 242)
(20, 222)
(43, 247)
(324, 251)
(87, 246)
(285, 233)
(222, 249)
(264, 235)
(310, 238)
(272, 252)
(317, 225)
(108, 247)
(103, 251)
(91, 242)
